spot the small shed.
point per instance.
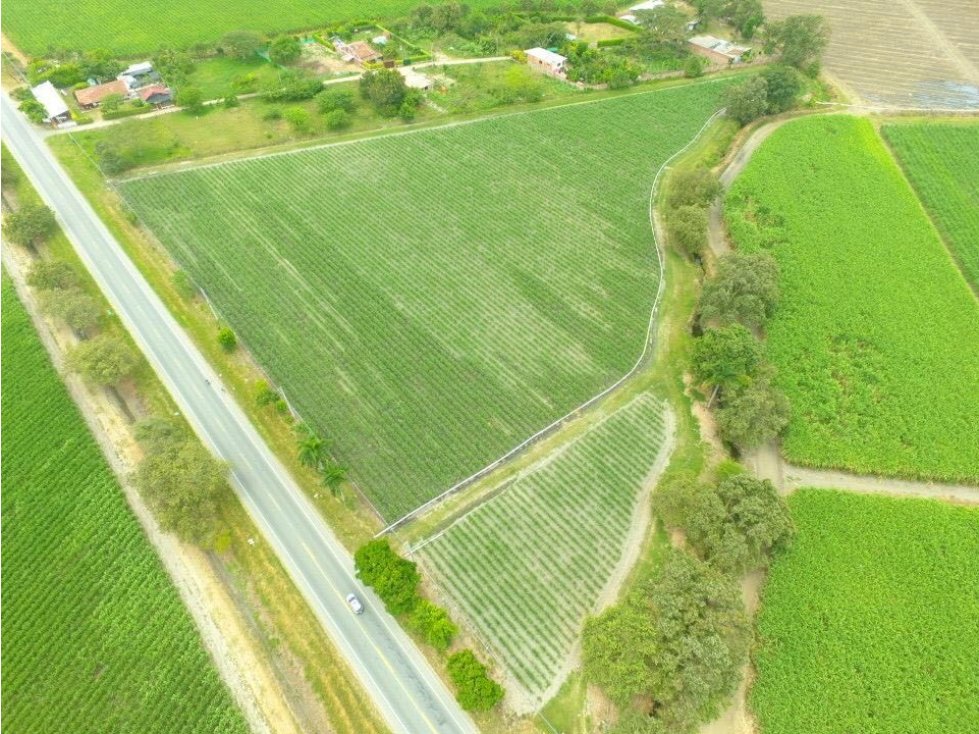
(156, 95)
(549, 62)
(92, 96)
(718, 50)
(55, 109)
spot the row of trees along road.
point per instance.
(179, 479)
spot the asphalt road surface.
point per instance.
(408, 693)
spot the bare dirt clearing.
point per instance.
(900, 53)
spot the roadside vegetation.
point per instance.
(861, 626)
(528, 565)
(433, 279)
(873, 334)
(86, 601)
(941, 160)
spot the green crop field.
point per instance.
(138, 27)
(525, 568)
(875, 338)
(428, 300)
(868, 622)
(95, 637)
(942, 161)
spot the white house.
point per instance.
(55, 109)
(546, 61)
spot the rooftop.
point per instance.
(94, 95)
(51, 100)
(548, 57)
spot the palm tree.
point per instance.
(333, 476)
(311, 450)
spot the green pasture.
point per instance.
(875, 337)
(942, 161)
(867, 622)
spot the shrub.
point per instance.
(272, 113)
(432, 622)
(104, 360)
(231, 101)
(330, 100)
(299, 118)
(394, 578)
(292, 86)
(475, 690)
(337, 120)
(227, 339)
(77, 309)
(693, 67)
(687, 227)
(693, 187)
(184, 285)
(46, 275)
(265, 395)
(191, 98)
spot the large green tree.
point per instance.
(748, 100)
(726, 357)
(744, 290)
(30, 225)
(385, 89)
(103, 360)
(677, 644)
(753, 415)
(739, 524)
(77, 309)
(182, 483)
(799, 41)
(285, 50)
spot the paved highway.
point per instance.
(409, 695)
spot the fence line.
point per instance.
(647, 346)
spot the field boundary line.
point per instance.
(383, 134)
(647, 348)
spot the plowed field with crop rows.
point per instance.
(942, 161)
(429, 300)
(526, 568)
(875, 337)
(868, 620)
(907, 54)
(95, 637)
